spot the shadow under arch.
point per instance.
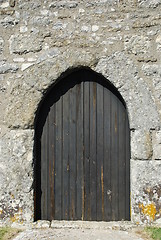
(66, 81)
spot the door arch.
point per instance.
(82, 150)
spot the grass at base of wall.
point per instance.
(3, 231)
(154, 232)
(7, 233)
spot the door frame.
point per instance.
(38, 128)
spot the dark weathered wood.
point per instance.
(58, 160)
(65, 157)
(100, 154)
(92, 151)
(107, 154)
(44, 171)
(114, 158)
(127, 199)
(121, 159)
(85, 151)
(51, 174)
(72, 153)
(79, 153)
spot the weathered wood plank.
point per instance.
(100, 154)
(107, 154)
(127, 199)
(58, 160)
(121, 159)
(114, 158)
(44, 172)
(51, 133)
(86, 153)
(72, 153)
(79, 142)
(65, 158)
(92, 148)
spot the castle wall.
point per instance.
(41, 40)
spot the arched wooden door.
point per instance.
(82, 142)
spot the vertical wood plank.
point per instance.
(107, 154)
(51, 133)
(93, 159)
(100, 153)
(65, 150)
(86, 153)
(114, 158)
(127, 200)
(58, 157)
(122, 157)
(72, 152)
(44, 172)
(80, 176)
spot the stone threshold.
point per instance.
(58, 224)
(119, 225)
(92, 224)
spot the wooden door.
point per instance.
(83, 151)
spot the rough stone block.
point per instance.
(18, 60)
(25, 43)
(25, 66)
(1, 44)
(4, 4)
(8, 21)
(7, 67)
(141, 145)
(23, 29)
(150, 3)
(12, 3)
(42, 224)
(136, 44)
(158, 42)
(40, 21)
(63, 4)
(156, 140)
(153, 71)
(22, 102)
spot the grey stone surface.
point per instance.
(141, 145)
(41, 224)
(7, 67)
(145, 190)
(77, 234)
(8, 21)
(119, 225)
(137, 44)
(156, 145)
(16, 175)
(63, 4)
(1, 45)
(20, 113)
(150, 3)
(121, 71)
(158, 42)
(25, 43)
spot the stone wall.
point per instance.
(41, 40)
